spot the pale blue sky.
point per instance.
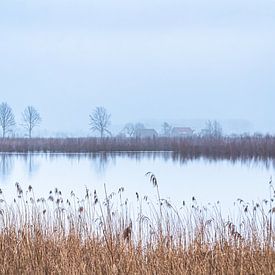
(141, 59)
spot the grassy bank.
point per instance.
(225, 147)
(94, 235)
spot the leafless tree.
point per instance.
(167, 129)
(31, 118)
(7, 120)
(100, 120)
(213, 129)
(129, 129)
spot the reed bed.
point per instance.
(94, 235)
(211, 147)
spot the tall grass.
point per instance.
(226, 147)
(95, 235)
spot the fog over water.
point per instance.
(179, 61)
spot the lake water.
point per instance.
(179, 180)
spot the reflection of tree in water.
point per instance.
(101, 162)
(6, 165)
(31, 163)
(250, 162)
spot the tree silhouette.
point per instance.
(7, 120)
(100, 120)
(31, 118)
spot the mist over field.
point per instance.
(145, 61)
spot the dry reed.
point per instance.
(223, 147)
(103, 236)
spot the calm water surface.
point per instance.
(207, 180)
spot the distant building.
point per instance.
(146, 133)
(182, 132)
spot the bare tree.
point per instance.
(100, 120)
(7, 120)
(129, 129)
(217, 129)
(167, 129)
(213, 129)
(31, 118)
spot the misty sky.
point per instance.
(141, 59)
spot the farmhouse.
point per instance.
(146, 133)
(182, 132)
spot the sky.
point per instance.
(148, 61)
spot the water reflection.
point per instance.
(6, 165)
(31, 162)
(253, 162)
(100, 162)
(180, 178)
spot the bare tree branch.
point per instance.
(213, 129)
(7, 120)
(100, 120)
(31, 118)
(167, 129)
(129, 129)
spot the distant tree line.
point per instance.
(100, 122)
(29, 120)
(210, 142)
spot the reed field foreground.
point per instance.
(211, 147)
(91, 235)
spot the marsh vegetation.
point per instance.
(223, 147)
(102, 234)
